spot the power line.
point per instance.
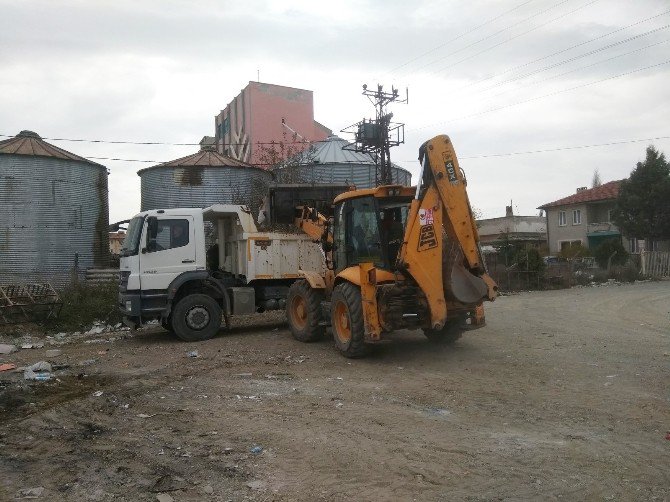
(575, 58)
(557, 149)
(162, 143)
(458, 37)
(518, 67)
(584, 67)
(493, 34)
(517, 36)
(470, 157)
(490, 110)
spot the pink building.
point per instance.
(263, 113)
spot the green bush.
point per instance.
(610, 247)
(625, 273)
(85, 303)
(529, 259)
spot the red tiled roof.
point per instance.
(606, 191)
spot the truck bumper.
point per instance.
(130, 306)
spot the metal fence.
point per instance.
(655, 263)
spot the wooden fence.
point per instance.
(655, 263)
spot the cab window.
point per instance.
(172, 234)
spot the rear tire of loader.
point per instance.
(448, 335)
(303, 310)
(347, 320)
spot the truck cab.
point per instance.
(190, 268)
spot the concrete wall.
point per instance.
(569, 232)
(530, 228)
(255, 116)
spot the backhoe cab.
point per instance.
(398, 258)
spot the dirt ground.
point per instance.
(564, 395)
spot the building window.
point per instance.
(610, 215)
(561, 219)
(576, 217)
(569, 244)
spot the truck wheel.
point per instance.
(451, 332)
(196, 317)
(347, 320)
(303, 309)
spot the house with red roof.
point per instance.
(584, 218)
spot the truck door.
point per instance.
(169, 254)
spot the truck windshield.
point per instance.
(131, 243)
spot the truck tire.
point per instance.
(303, 310)
(451, 332)
(196, 317)
(347, 320)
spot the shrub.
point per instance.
(529, 259)
(613, 248)
(625, 273)
(85, 303)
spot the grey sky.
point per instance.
(161, 70)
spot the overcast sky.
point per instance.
(497, 76)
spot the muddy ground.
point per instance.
(564, 395)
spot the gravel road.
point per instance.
(563, 395)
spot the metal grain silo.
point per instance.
(203, 179)
(53, 212)
(326, 162)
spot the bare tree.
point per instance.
(596, 179)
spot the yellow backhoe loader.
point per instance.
(398, 258)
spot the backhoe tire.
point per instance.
(196, 317)
(347, 320)
(303, 310)
(451, 332)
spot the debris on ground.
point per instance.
(256, 485)
(6, 348)
(256, 450)
(31, 493)
(32, 345)
(53, 353)
(193, 353)
(165, 483)
(7, 366)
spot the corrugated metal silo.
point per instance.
(54, 212)
(328, 163)
(203, 179)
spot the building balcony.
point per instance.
(603, 228)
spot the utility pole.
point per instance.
(377, 136)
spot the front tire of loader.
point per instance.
(347, 320)
(448, 335)
(303, 310)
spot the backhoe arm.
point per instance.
(441, 207)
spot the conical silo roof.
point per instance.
(329, 151)
(207, 157)
(30, 143)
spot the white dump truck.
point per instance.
(168, 273)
